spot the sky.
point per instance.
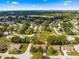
(39, 5)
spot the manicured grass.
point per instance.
(52, 52)
(73, 53)
(4, 40)
(21, 50)
(10, 58)
(37, 55)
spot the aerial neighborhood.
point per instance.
(48, 35)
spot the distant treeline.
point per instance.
(34, 12)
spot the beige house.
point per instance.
(14, 46)
(76, 48)
(68, 48)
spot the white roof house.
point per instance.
(14, 46)
(20, 25)
(22, 37)
(70, 38)
(5, 33)
(76, 48)
(10, 36)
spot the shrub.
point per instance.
(35, 50)
(57, 40)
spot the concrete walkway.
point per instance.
(64, 57)
(24, 35)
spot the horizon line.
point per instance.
(41, 10)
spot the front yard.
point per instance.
(21, 50)
(74, 53)
(54, 51)
(37, 52)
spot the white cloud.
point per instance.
(11, 6)
(67, 2)
(34, 6)
(40, 8)
(14, 2)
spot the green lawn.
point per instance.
(4, 40)
(21, 50)
(10, 58)
(73, 53)
(37, 55)
(52, 52)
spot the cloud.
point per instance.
(11, 6)
(67, 2)
(14, 2)
(33, 6)
(40, 8)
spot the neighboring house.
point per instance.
(5, 33)
(10, 37)
(70, 38)
(14, 46)
(20, 25)
(68, 48)
(31, 24)
(23, 37)
(56, 47)
(76, 48)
